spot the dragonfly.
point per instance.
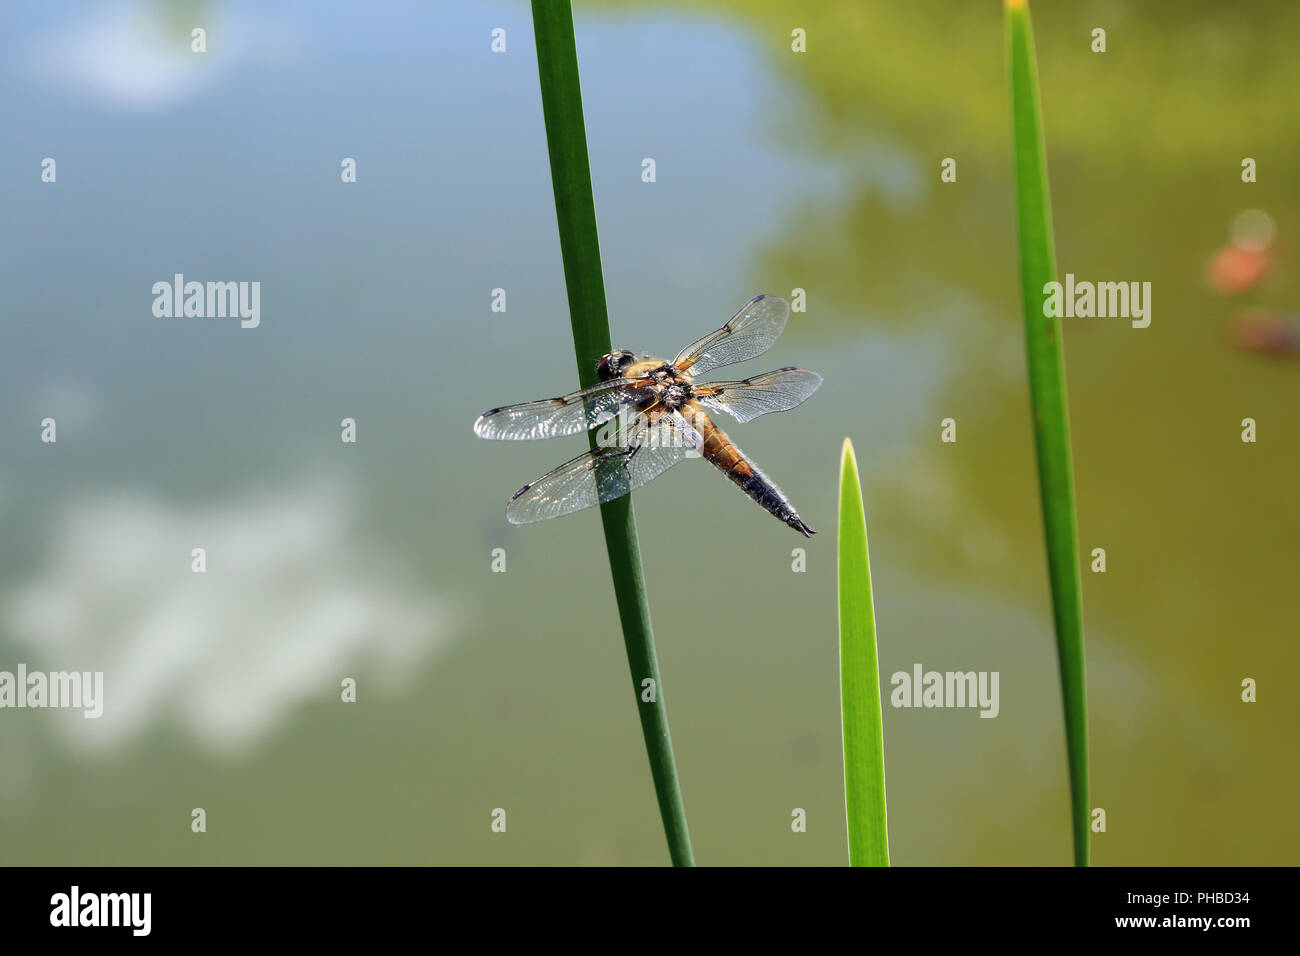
(662, 416)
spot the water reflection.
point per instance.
(139, 56)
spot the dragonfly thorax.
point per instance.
(677, 394)
(666, 374)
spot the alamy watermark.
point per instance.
(82, 690)
(948, 689)
(213, 300)
(127, 910)
(634, 428)
(1084, 300)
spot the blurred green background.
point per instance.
(775, 170)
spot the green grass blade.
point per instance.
(1049, 406)
(864, 745)
(575, 210)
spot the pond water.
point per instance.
(774, 171)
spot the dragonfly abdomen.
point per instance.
(732, 462)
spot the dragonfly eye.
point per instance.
(612, 365)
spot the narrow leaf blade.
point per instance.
(864, 746)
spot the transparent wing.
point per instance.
(751, 332)
(566, 415)
(777, 391)
(604, 474)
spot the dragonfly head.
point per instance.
(612, 366)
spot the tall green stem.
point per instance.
(575, 210)
(1049, 406)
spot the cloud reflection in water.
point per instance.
(290, 604)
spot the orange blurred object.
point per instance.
(1235, 269)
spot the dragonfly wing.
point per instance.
(750, 332)
(777, 391)
(566, 415)
(604, 474)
